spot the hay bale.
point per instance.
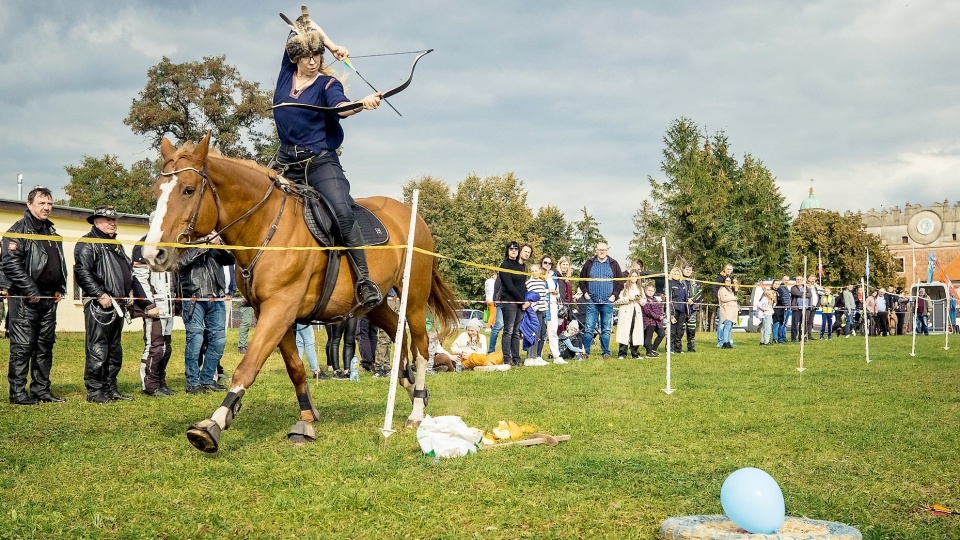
(719, 527)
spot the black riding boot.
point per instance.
(368, 294)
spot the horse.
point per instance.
(201, 194)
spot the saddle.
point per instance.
(323, 226)
(321, 223)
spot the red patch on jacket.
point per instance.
(12, 246)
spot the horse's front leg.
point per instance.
(205, 434)
(303, 431)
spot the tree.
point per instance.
(551, 224)
(185, 100)
(694, 197)
(473, 224)
(843, 242)
(105, 181)
(586, 236)
(714, 210)
(646, 245)
(765, 232)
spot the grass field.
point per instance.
(863, 444)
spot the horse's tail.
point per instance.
(443, 302)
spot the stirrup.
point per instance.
(367, 301)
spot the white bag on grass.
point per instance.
(447, 437)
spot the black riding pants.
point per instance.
(347, 331)
(32, 329)
(104, 353)
(324, 174)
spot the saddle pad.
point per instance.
(321, 224)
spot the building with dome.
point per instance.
(811, 204)
(919, 229)
(914, 229)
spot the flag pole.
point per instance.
(666, 289)
(803, 314)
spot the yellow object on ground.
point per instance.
(476, 359)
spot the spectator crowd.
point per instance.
(533, 305)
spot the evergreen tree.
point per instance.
(551, 224)
(715, 210)
(646, 245)
(586, 236)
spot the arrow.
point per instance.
(355, 70)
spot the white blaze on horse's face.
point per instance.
(156, 228)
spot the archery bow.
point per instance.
(357, 105)
(357, 71)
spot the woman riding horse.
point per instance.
(310, 139)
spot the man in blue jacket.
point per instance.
(599, 294)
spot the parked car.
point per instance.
(465, 315)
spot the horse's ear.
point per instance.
(200, 153)
(166, 149)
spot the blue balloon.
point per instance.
(752, 499)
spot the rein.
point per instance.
(216, 201)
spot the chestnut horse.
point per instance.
(200, 192)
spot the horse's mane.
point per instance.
(248, 164)
(214, 153)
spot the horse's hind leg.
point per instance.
(303, 431)
(419, 345)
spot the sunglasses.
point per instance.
(547, 262)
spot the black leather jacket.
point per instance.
(26, 261)
(200, 272)
(105, 268)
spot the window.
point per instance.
(904, 240)
(903, 264)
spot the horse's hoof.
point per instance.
(413, 424)
(205, 436)
(302, 432)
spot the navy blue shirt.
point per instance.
(315, 130)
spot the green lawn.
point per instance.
(864, 444)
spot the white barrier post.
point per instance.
(387, 428)
(803, 314)
(666, 289)
(866, 323)
(947, 327)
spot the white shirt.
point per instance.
(488, 287)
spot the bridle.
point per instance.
(184, 237)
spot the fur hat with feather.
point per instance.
(304, 40)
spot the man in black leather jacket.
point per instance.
(105, 274)
(36, 275)
(200, 277)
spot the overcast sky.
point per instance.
(862, 96)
